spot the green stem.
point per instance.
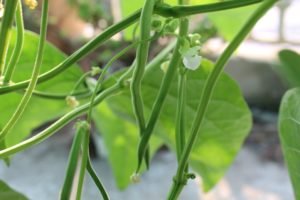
(101, 77)
(7, 21)
(25, 100)
(18, 47)
(96, 180)
(162, 9)
(163, 91)
(84, 159)
(180, 119)
(118, 87)
(61, 96)
(184, 10)
(79, 82)
(209, 87)
(73, 162)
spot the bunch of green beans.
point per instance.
(79, 158)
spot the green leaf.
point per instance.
(121, 140)
(290, 67)
(7, 193)
(289, 129)
(227, 121)
(39, 110)
(229, 22)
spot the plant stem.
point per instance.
(208, 91)
(101, 77)
(18, 47)
(185, 10)
(162, 9)
(25, 100)
(180, 119)
(7, 21)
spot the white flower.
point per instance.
(192, 62)
(32, 4)
(1, 9)
(191, 58)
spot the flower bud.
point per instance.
(31, 4)
(72, 101)
(135, 178)
(164, 66)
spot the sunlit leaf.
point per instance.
(289, 128)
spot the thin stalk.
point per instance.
(7, 21)
(162, 9)
(208, 91)
(18, 47)
(62, 96)
(60, 123)
(96, 179)
(79, 82)
(101, 77)
(186, 10)
(180, 114)
(25, 99)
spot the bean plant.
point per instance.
(175, 98)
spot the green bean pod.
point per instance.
(141, 61)
(18, 46)
(34, 77)
(81, 131)
(7, 21)
(206, 95)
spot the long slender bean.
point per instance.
(7, 21)
(208, 91)
(84, 158)
(25, 99)
(18, 46)
(163, 91)
(138, 73)
(73, 161)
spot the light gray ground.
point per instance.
(38, 172)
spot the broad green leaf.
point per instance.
(225, 127)
(7, 193)
(121, 139)
(39, 110)
(289, 129)
(290, 67)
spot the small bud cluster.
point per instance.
(32, 4)
(72, 101)
(135, 178)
